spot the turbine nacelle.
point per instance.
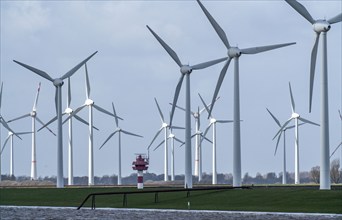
(164, 125)
(68, 110)
(212, 120)
(186, 69)
(321, 26)
(58, 82)
(89, 102)
(33, 114)
(171, 136)
(295, 115)
(234, 52)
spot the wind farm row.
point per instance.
(193, 157)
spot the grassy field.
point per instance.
(268, 199)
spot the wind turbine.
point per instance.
(198, 134)
(234, 53)
(296, 117)
(164, 127)
(320, 26)
(284, 180)
(118, 130)
(185, 72)
(172, 137)
(90, 103)
(58, 83)
(68, 111)
(212, 124)
(4, 123)
(10, 137)
(34, 116)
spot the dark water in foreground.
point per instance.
(12, 212)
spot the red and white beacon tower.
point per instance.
(140, 164)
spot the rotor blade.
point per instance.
(207, 64)
(73, 70)
(160, 112)
(301, 10)
(105, 111)
(45, 126)
(275, 151)
(176, 127)
(336, 149)
(336, 19)
(312, 68)
(8, 137)
(274, 118)
(24, 116)
(203, 102)
(155, 136)
(218, 85)
(282, 128)
(255, 50)
(129, 133)
(84, 121)
(159, 145)
(115, 116)
(69, 92)
(168, 49)
(181, 108)
(110, 136)
(49, 122)
(339, 112)
(56, 100)
(224, 121)
(208, 105)
(175, 98)
(178, 140)
(87, 81)
(205, 138)
(206, 130)
(22, 133)
(37, 71)
(216, 26)
(36, 99)
(307, 121)
(293, 106)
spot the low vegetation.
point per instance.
(269, 199)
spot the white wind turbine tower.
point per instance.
(172, 137)
(295, 116)
(235, 53)
(58, 83)
(198, 142)
(284, 179)
(4, 123)
(164, 127)
(10, 137)
(320, 26)
(212, 124)
(185, 72)
(68, 111)
(118, 130)
(34, 116)
(90, 103)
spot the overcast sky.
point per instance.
(131, 68)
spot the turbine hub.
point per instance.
(68, 110)
(10, 133)
(234, 52)
(321, 26)
(196, 115)
(89, 102)
(171, 136)
(295, 115)
(58, 82)
(186, 69)
(33, 113)
(164, 125)
(212, 120)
